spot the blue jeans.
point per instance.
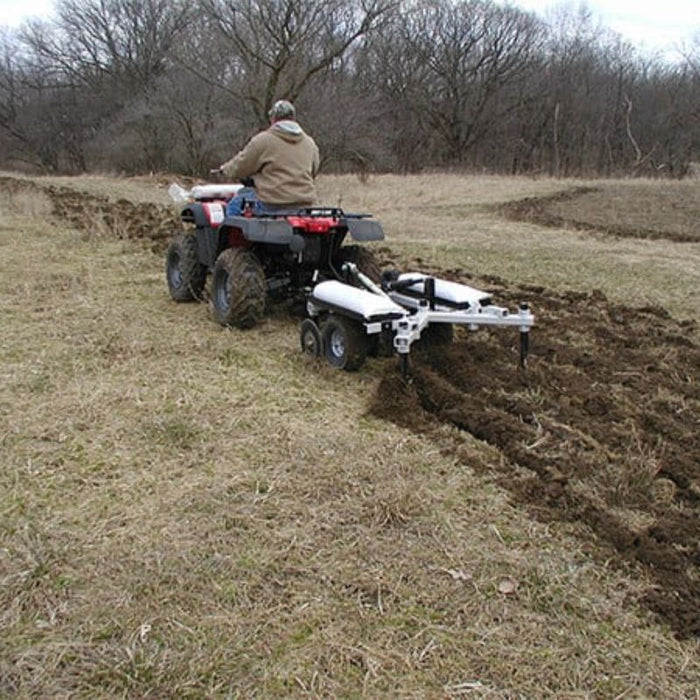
(244, 195)
(248, 195)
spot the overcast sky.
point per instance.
(651, 25)
(657, 25)
(12, 12)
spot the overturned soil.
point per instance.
(602, 428)
(668, 210)
(98, 214)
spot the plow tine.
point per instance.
(524, 309)
(404, 366)
(524, 348)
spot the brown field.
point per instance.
(192, 511)
(641, 209)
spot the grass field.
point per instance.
(191, 511)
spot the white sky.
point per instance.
(651, 24)
(13, 12)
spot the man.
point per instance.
(283, 161)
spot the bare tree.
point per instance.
(40, 125)
(278, 46)
(13, 98)
(383, 85)
(450, 61)
(92, 62)
(92, 39)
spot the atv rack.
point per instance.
(405, 306)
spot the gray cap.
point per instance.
(282, 110)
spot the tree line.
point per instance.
(134, 86)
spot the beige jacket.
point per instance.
(283, 160)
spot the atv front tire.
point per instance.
(345, 343)
(238, 289)
(364, 258)
(185, 274)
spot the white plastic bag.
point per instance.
(178, 194)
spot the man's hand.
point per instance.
(217, 173)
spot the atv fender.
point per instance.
(277, 231)
(194, 214)
(198, 214)
(364, 230)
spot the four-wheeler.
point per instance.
(255, 258)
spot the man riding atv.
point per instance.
(268, 245)
(283, 161)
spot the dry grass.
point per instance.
(445, 219)
(666, 208)
(190, 511)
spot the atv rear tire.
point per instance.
(185, 274)
(345, 343)
(364, 258)
(238, 289)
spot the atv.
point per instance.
(256, 258)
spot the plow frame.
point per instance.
(407, 304)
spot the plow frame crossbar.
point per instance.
(409, 329)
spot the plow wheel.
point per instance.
(345, 343)
(310, 338)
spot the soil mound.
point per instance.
(97, 215)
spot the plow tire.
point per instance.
(185, 274)
(364, 258)
(310, 338)
(238, 289)
(345, 343)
